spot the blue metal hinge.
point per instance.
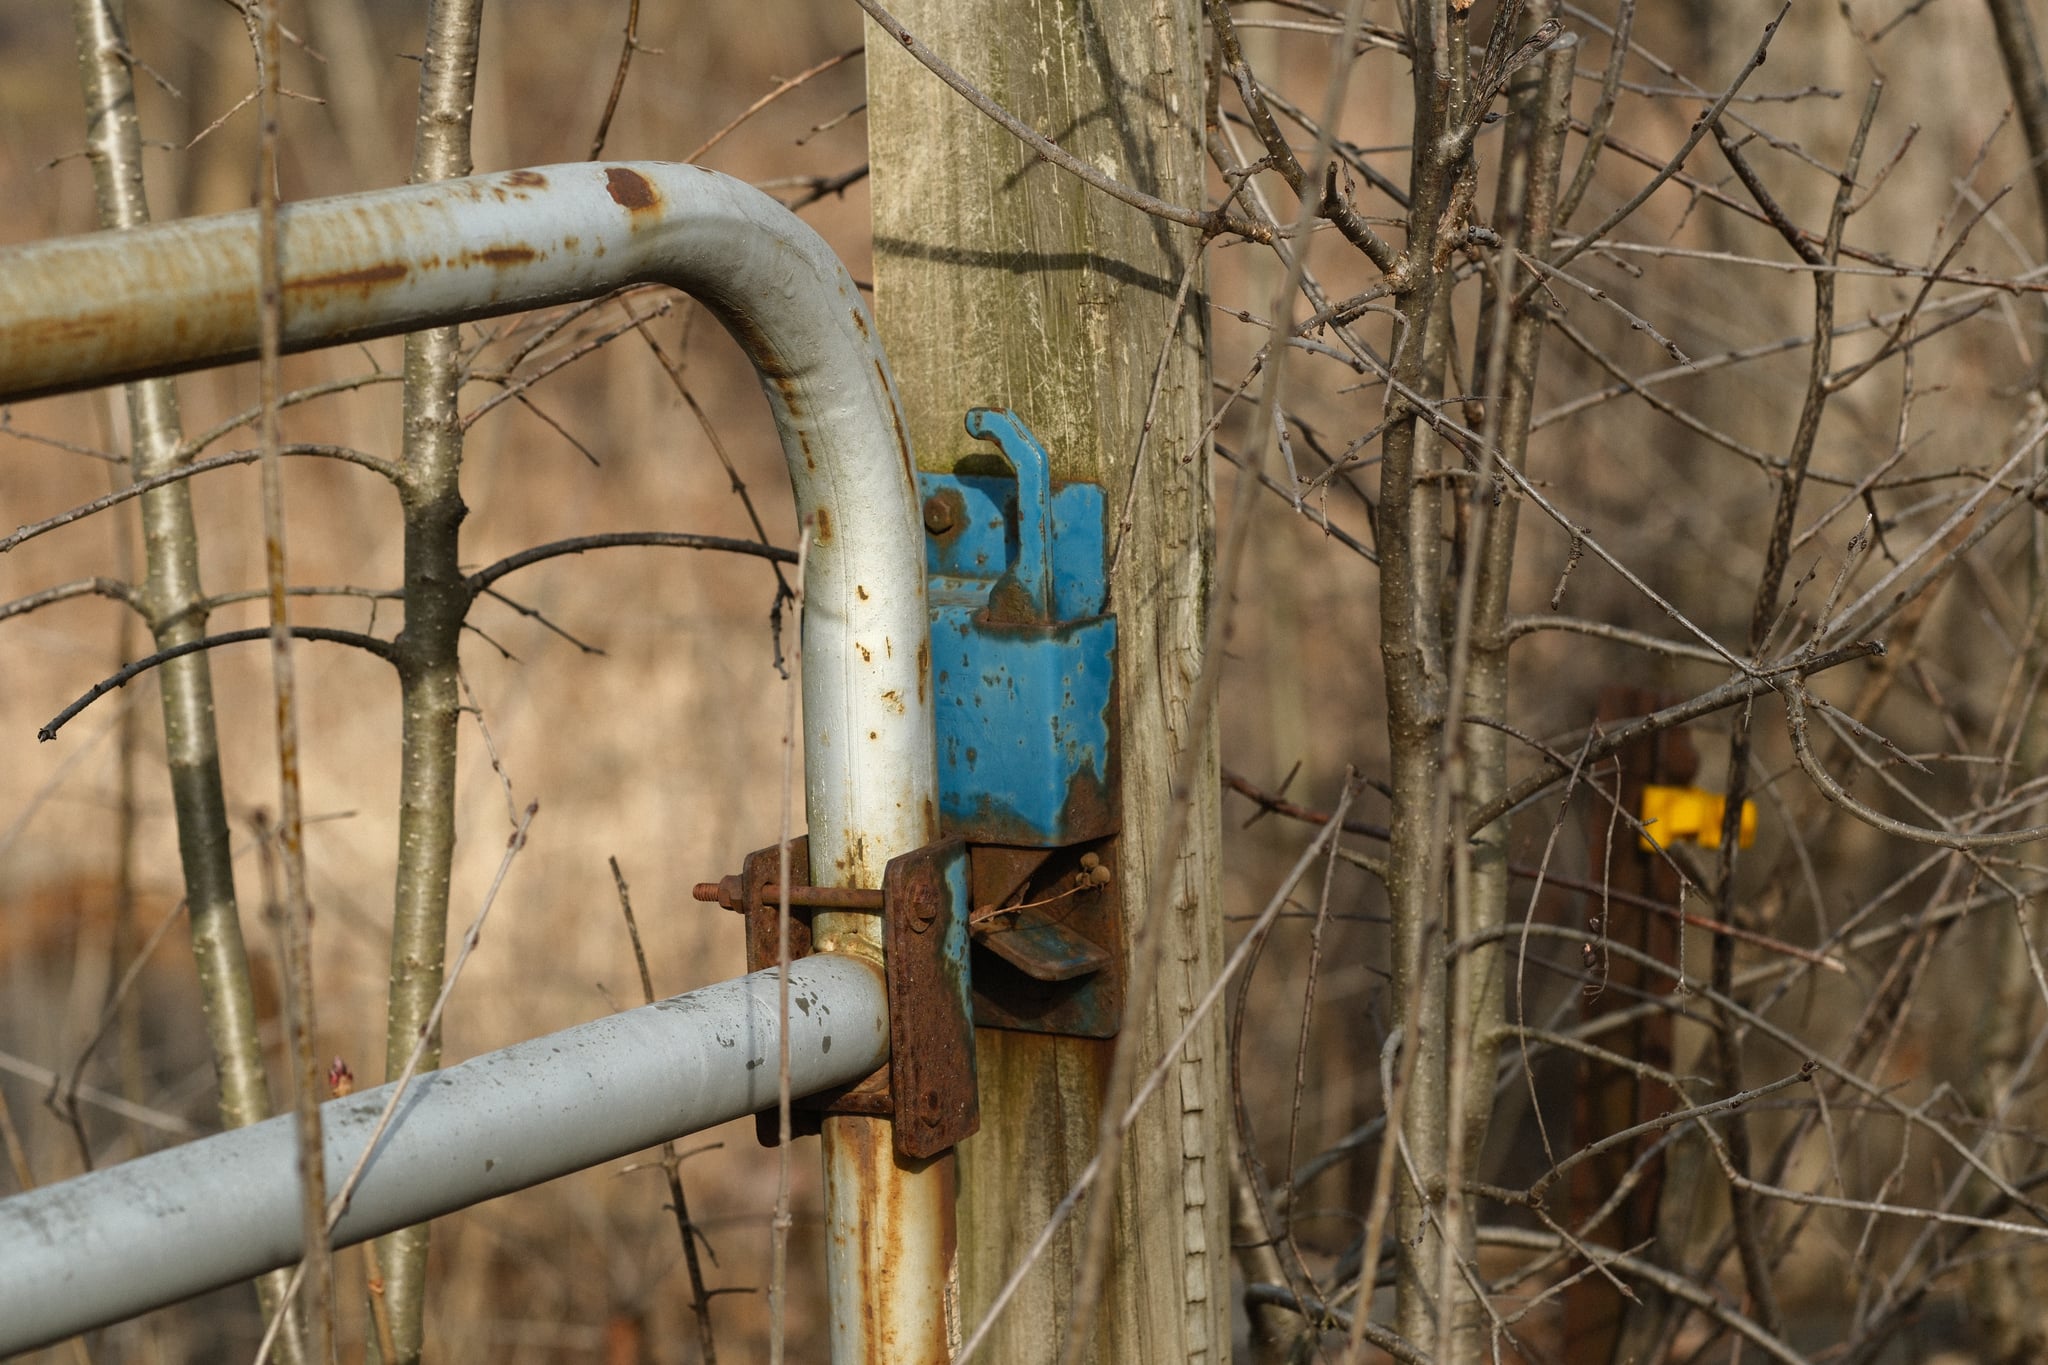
(1024, 691)
(1023, 655)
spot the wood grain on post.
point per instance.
(1001, 280)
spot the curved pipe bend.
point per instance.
(114, 306)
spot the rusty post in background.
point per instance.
(1597, 1318)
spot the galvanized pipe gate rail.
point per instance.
(116, 306)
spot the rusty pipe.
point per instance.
(115, 306)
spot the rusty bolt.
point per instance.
(731, 893)
(823, 897)
(928, 1109)
(726, 892)
(940, 516)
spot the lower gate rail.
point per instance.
(106, 1246)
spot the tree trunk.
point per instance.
(430, 496)
(173, 603)
(1000, 280)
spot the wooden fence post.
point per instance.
(1001, 280)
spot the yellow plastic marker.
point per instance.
(1675, 813)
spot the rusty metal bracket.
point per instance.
(1048, 941)
(927, 1088)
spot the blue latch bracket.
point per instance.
(1023, 656)
(1010, 919)
(1024, 690)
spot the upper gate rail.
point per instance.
(113, 306)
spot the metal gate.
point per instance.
(960, 757)
(110, 307)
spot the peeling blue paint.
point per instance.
(1023, 656)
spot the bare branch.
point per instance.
(128, 673)
(149, 485)
(628, 46)
(576, 545)
(782, 88)
(1671, 166)
(124, 593)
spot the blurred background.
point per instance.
(633, 692)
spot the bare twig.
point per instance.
(381, 648)
(778, 1281)
(414, 1061)
(576, 545)
(111, 1011)
(1731, 693)
(782, 88)
(173, 1124)
(671, 1163)
(143, 487)
(124, 593)
(1672, 164)
(627, 47)
(293, 908)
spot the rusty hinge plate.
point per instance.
(927, 1089)
(931, 1028)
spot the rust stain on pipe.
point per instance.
(766, 356)
(365, 279)
(879, 1242)
(630, 189)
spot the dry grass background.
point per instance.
(664, 751)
